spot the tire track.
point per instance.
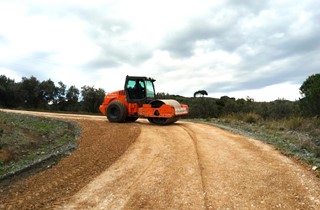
(242, 173)
(193, 136)
(165, 177)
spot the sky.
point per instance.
(261, 49)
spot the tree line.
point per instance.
(205, 107)
(30, 93)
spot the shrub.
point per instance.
(244, 117)
(252, 118)
(294, 123)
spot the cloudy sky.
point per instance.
(262, 49)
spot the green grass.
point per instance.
(25, 140)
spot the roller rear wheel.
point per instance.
(117, 112)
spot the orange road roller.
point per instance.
(138, 100)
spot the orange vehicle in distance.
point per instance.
(138, 100)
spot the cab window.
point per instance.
(136, 89)
(150, 89)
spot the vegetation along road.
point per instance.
(182, 166)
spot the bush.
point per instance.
(294, 123)
(252, 118)
(245, 117)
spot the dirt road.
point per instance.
(181, 166)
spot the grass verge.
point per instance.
(27, 140)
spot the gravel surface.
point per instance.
(100, 145)
(181, 166)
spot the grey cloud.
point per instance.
(252, 6)
(97, 16)
(104, 29)
(222, 27)
(182, 43)
(113, 57)
(37, 64)
(296, 45)
(243, 84)
(117, 52)
(260, 33)
(270, 44)
(114, 54)
(227, 29)
(274, 49)
(294, 71)
(102, 62)
(108, 33)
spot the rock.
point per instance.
(314, 168)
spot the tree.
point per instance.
(60, 98)
(310, 90)
(91, 98)
(163, 95)
(48, 92)
(200, 92)
(30, 92)
(8, 94)
(72, 98)
(61, 92)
